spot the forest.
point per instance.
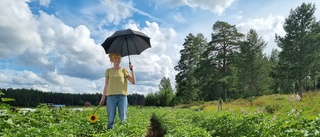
(32, 98)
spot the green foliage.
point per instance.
(175, 123)
(289, 118)
(152, 99)
(251, 67)
(7, 99)
(300, 45)
(136, 99)
(32, 98)
(188, 85)
(187, 122)
(231, 66)
(166, 92)
(71, 122)
(162, 98)
(4, 99)
(224, 44)
(272, 108)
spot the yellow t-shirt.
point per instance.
(117, 81)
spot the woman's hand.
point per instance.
(102, 101)
(131, 77)
(103, 97)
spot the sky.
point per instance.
(55, 45)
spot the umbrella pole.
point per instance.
(129, 59)
(128, 53)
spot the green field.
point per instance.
(273, 115)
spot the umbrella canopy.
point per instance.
(126, 42)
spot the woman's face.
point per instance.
(117, 59)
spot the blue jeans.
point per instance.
(114, 101)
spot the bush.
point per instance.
(271, 109)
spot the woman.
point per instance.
(116, 89)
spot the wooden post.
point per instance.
(219, 105)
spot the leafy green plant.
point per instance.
(272, 108)
(46, 121)
(5, 99)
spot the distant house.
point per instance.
(87, 104)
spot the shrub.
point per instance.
(271, 109)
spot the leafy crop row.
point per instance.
(185, 122)
(178, 122)
(68, 122)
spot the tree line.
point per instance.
(33, 97)
(232, 64)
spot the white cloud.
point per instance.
(179, 18)
(132, 25)
(26, 78)
(116, 11)
(55, 51)
(53, 77)
(238, 16)
(71, 50)
(142, 12)
(18, 28)
(44, 2)
(64, 49)
(92, 85)
(49, 82)
(4, 78)
(266, 27)
(144, 90)
(216, 6)
(273, 23)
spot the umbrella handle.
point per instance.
(129, 66)
(129, 58)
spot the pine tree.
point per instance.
(251, 64)
(166, 92)
(225, 42)
(275, 81)
(300, 45)
(187, 83)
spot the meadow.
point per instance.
(272, 115)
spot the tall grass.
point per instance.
(275, 104)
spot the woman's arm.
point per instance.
(103, 98)
(132, 77)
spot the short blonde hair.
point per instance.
(114, 55)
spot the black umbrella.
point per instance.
(126, 42)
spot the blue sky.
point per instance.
(54, 45)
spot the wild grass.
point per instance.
(276, 104)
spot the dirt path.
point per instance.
(155, 129)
